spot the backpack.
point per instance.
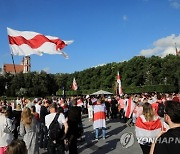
(55, 133)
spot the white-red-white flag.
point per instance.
(99, 117)
(177, 52)
(25, 43)
(147, 130)
(119, 84)
(129, 107)
(80, 102)
(74, 85)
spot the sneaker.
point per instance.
(96, 139)
(104, 138)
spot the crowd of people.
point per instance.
(31, 120)
(27, 123)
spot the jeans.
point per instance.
(103, 132)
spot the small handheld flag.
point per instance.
(119, 84)
(74, 85)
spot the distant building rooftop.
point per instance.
(9, 68)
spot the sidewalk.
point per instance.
(111, 145)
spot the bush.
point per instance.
(151, 88)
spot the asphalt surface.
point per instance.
(120, 139)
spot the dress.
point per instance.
(30, 136)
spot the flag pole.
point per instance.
(116, 88)
(12, 55)
(13, 63)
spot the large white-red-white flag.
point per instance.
(25, 43)
(74, 85)
(119, 84)
(99, 116)
(177, 52)
(147, 131)
(129, 107)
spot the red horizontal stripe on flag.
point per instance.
(99, 115)
(128, 112)
(36, 41)
(148, 125)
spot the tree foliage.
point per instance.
(139, 74)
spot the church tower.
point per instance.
(27, 64)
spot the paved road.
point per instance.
(111, 145)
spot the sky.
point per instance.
(103, 31)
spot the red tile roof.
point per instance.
(9, 68)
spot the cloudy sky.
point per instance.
(103, 31)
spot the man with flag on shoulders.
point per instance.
(99, 119)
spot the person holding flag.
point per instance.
(129, 108)
(148, 126)
(99, 119)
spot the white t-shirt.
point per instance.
(38, 108)
(49, 118)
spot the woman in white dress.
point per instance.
(6, 128)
